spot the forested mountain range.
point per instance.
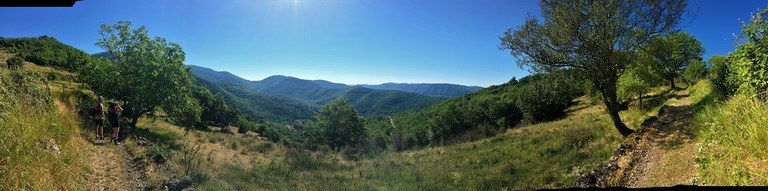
(279, 95)
(270, 84)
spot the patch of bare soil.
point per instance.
(660, 153)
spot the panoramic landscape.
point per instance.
(383, 95)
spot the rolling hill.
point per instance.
(273, 85)
(438, 90)
(294, 93)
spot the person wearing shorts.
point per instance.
(113, 116)
(98, 118)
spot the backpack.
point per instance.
(97, 110)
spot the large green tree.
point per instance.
(673, 53)
(337, 124)
(597, 37)
(145, 73)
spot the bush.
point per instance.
(694, 71)
(15, 63)
(722, 75)
(545, 97)
(750, 62)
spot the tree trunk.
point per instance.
(640, 98)
(613, 107)
(671, 83)
(133, 121)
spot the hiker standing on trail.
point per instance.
(113, 115)
(98, 118)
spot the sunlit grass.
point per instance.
(30, 126)
(734, 142)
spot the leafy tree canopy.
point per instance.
(673, 53)
(145, 73)
(337, 125)
(599, 38)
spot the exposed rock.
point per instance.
(175, 184)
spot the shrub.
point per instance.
(722, 75)
(544, 97)
(749, 60)
(15, 63)
(694, 71)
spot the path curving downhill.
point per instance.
(660, 153)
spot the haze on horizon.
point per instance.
(350, 42)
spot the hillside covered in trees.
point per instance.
(618, 95)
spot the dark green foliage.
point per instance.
(749, 61)
(15, 63)
(695, 71)
(46, 51)
(214, 110)
(336, 125)
(542, 97)
(370, 102)
(722, 75)
(480, 114)
(673, 53)
(296, 88)
(259, 106)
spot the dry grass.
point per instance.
(734, 143)
(30, 130)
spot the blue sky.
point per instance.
(346, 41)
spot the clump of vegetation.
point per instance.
(722, 75)
(15, 63)
(40, 146)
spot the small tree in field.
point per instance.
(337, 125)
(600, 38)
(145, 73)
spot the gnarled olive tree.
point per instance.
(597, 37)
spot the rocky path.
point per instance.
(660, 153)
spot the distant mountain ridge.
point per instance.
(439, 90)
(268, 84)
(292, 93)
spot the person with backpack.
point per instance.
(113, 115)
(98, 118)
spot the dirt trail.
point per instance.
(113, 169)
(660, 153)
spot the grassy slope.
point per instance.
(544, 155)
(734, 141)
(28, 131)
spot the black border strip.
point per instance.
(38, 3)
